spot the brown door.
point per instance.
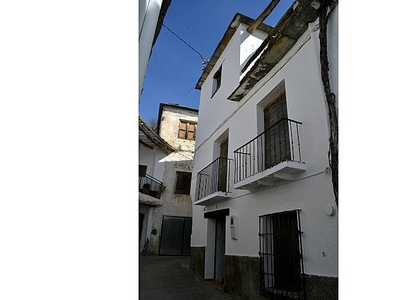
(223, 166)
(277, 144)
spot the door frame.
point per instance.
(209, 261)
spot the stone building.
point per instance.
(264, 215)
(165, 170)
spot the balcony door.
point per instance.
(223, 166)
(277, 144)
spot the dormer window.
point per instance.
(216, 81)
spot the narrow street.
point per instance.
(169, 277)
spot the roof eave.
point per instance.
(230, 31)
(154, 137)
(291, 26)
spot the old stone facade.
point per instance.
(175, 173)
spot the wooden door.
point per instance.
(223, 166)
(175, 235)
(277, 143)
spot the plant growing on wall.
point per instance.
(323, 13)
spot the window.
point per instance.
(276, 126)
(216, 81)
(223, 166)
(280, 255)
(183, 181)
(187, 130)
(142, 170)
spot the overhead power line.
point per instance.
(205, 60)
(179, 102)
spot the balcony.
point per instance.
(213, 182)
(150, 190)
(270, 158)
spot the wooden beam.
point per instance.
(145, 144)
(262, 16)
(293, 11)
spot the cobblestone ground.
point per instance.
(169, 277)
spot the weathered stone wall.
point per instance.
(242, 278)
(197, 255)
(169, 126)
(173, 204)
(321, 287)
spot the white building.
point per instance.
(265, 221)
(165, 170)
(151, 16)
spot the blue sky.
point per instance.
(174, 68)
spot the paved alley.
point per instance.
(169, 277)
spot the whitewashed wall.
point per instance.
(150, 158)
(149, 11)
(299, 72)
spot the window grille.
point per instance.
(281, 260)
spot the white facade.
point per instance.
(149, 14)
(151, 159)
(309, 190)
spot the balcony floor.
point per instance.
(149, 200)
(284, 171)
(213, 198)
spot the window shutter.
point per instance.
(190, 135)
(182, 130)
(277, 147)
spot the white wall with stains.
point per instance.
(151, 158)
(181, 160)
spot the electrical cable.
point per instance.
(179, 102)
(205, 60)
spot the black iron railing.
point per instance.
(214, 178)
(280, 142)
(150, 186)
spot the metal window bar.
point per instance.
(214, 178)
(281, 258)
(280, 142)
(150, 186)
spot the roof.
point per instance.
(277, 44)
(289, 29)
(230, 31)
(149, 138)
